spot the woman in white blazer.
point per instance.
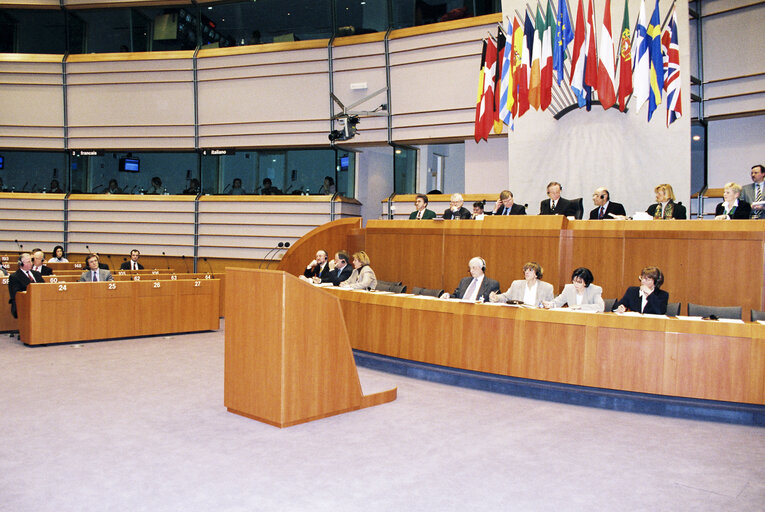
(362, 277)
(581, 294)
(530, 290)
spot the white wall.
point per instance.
(375, 179)
(486, 166)
(735, 145)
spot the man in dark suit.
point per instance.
(132, 264)
(340, 273)
(755, 191)
(38, 263)
(477, 287)
(506, 206)
(421, 212)
(94, 272)
(22, 278)
(605, 208)
(456, 210)
(556, 205)
(319, 267)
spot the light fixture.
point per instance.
(697, 137)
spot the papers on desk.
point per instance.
(575, 310)
(646, 315)
(701, 319)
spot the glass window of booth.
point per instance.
(32, 31)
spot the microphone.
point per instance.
(88, 248)
(183, 258)
(24, 187)
(133, 189)
(97, 187)
(225, 188)
(33, 187)
(110, 260)
(209, 266)
(265, 260)
(166, 260)
(21, 246)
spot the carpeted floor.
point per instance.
(134, 425)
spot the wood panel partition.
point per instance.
(66, 312)
(288, 359)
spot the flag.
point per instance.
(479, 100)
(535, 79)
(516, 63)
(672, 83)
(640, 67)
(487, 113)
(606, 82)
(591, 60)
(506, 81)
(577, 60)
(498, 80)
(625, 60)
(523, 74)
(656, 70)
(545, 95)
(563, 37)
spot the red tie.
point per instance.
(31, 277)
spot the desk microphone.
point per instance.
(209, 266)
(133, 189)
(21, 246)
(225, 188)
(24, 187)
(186, 265)
(97, 187)
(166, 260)
(286, 246)
(265, 260)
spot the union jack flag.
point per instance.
(671, 57)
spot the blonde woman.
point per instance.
(362, 277)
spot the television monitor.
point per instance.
(2, 161)
(129, 164)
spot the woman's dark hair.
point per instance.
(329, 178)
(584, 274)
(480, 204)
(56, 249)
(536, 267)
(655, 274)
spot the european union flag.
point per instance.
(563, 37)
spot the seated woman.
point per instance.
(665, 206)
(732, 207)
(478, 210)
(530, 290)
(362, 277)
(647, 298)
(58, 255)
(581, 294)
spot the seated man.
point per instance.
(606, 209)
(132, 264)
(22, 278)
(38, 263)
(94, 272)
(556, 205)
(319, 267)
(478, 287)
(340, 273)
(236, 187)
(268, 189)
(456, 210)
(421, 211)
(505, 205)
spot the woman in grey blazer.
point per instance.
(530, 290)
(581, 294)
(362, 277)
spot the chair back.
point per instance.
(758, 315)
(673, 309)
(427, 291)
(609, 304)
(718, 311)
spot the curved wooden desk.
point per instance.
(657, 355)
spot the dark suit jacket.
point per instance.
(462, 213)
(126, 265)
(743, 210)
(317, 271)
(18, 282)
(427, 214)
(677, 213)
(562, 207)
(655, 304)
(45, 270)
(515, 209)
(337, 276)
(487, 286)
(615, 208)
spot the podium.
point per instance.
(288, 358)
